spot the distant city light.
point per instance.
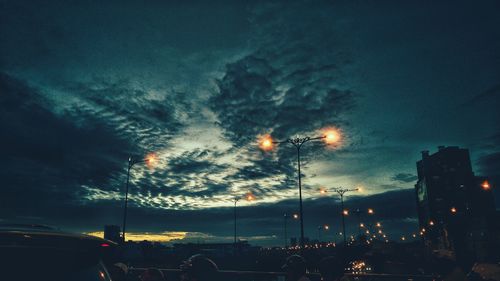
(370, 211)
(345, 212)
(486, 185)
(453, 210)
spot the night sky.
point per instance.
(86, 84)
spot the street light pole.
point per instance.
(131, 163)
(341, 191)
(124, 225)
(235, 201)
(358, 212)
(298, 142)
(266, 143)
(285, 218)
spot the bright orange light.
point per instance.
(370, 211)
(453, 210)
(250, 197)
(362, 225)
(486, 185)
(345, 212)
(322, 191)
(331, 135)
(266, 142)
(150, 160)
(378, 224)
(431, 223)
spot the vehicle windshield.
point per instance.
(50, 264)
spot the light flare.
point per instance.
(266, 142)
(331, 135)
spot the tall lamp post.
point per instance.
(131, 162)
(285, 219)
(341, 191)
(236, 199)
(330, 136)
(249, 197)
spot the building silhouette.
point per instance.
(456, 209)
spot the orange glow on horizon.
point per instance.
(322, 191)
(141, 236)
(266, 143)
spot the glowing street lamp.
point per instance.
(149, 160)
(320, 228)
(295, 216)
(330, 136)
(341, 191)
(378, 224)
(248, 197)
(453, 210)
(370, 211)
(431, 223)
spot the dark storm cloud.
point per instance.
(146, 120)
(292, 82)
(196, 161)
(47, 157)
(404, 178)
